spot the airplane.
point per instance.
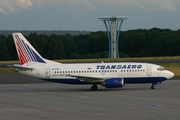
(109, 75)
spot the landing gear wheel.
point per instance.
(94, 88)
(153, 87)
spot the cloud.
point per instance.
(14, 5)
(161, 5)
(91, 5)
(2, 11)
(23, 3)
(148, 5)
(67, 4)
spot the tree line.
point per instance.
(132, 43)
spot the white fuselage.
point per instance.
(130, 72)
(110, 75)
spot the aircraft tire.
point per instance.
(94, 88)
(153, 87)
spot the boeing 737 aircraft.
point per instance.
(110, 75)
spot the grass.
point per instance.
(119, 59)
(107, 60)
(8, 70)
(8, 62)
(174, 67)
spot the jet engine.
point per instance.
(113, 83)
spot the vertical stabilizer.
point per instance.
(25, 50)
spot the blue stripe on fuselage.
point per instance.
(126, 80)
(67, 81)
(144, 80)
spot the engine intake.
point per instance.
(113, 83)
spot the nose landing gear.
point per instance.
(153, 87)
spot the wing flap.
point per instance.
(89, 79)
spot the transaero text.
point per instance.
(119, 66)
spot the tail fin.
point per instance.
(25, 50)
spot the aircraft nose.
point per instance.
(170, 74)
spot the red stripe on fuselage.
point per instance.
(24, 49)
(23, 56)
(20, 50)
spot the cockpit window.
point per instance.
(161, 68)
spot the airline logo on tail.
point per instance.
(25, 52)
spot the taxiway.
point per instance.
(31, 98)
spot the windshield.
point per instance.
(161, 68)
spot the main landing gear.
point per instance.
(94, 87)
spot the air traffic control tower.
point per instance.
(113, 25)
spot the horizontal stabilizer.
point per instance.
(23, 67)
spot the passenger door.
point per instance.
(149, 71)
(47, 73)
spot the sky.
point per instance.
(82, 15)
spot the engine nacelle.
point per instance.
(113, 82)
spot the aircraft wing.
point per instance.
(89, 78)
(23, 67)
